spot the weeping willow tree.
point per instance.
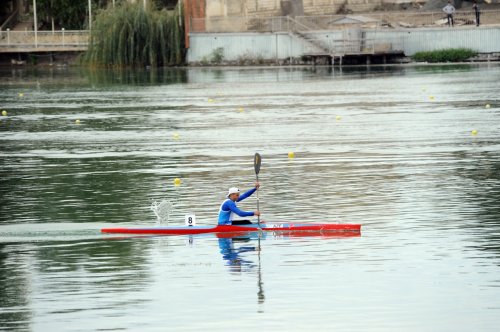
(130, 35)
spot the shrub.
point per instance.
(446, 55)
(217, 55)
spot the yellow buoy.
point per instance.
(77, 121)
(241, 109)
(176, 136)
(487, 106)
(4, 113)
(177, 182)
(210, 100)
(338, 118)
(291, 155)
(432, 97)
(21, 94)
(474, 132)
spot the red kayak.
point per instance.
(275, 227)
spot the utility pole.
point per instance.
(35, 24)
(90, 15)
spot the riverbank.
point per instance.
(40, 59)
(363, 47)
(356, 46)
(70, 60)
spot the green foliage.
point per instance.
(217, 55)
(68, 14)
(250, 58)
(129, 35)
(446, 55)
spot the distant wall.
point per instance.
(279, 46)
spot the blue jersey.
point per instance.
(228, 209)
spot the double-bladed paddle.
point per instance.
(256, 165)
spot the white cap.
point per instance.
(232, 190)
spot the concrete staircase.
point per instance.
(303, 32)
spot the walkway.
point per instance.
(22, 41)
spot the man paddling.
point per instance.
(229, 212)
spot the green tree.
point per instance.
(129, 35)
(68, 14)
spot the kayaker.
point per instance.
(229, 213)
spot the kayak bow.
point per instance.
(275, 227)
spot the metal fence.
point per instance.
(332, 22)
(253, 48)
(347, 42)
(11, 41)
(399, 19)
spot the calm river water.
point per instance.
(411, 153)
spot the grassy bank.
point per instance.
(446, 55)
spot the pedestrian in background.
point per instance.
(476, 10)
(449, 10)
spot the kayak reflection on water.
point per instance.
(231, 249)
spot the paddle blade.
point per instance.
(256, 163)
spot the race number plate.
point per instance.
(190, 220)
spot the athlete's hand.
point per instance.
(256, 213)
(257, 185)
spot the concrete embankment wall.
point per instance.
(282, 45)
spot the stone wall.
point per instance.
(267, 8)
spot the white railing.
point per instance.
(331, 22)
(43, 40)
(344, 45)
(366, 46)
(401, 19)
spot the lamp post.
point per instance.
(90, 15)
(35, 24)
